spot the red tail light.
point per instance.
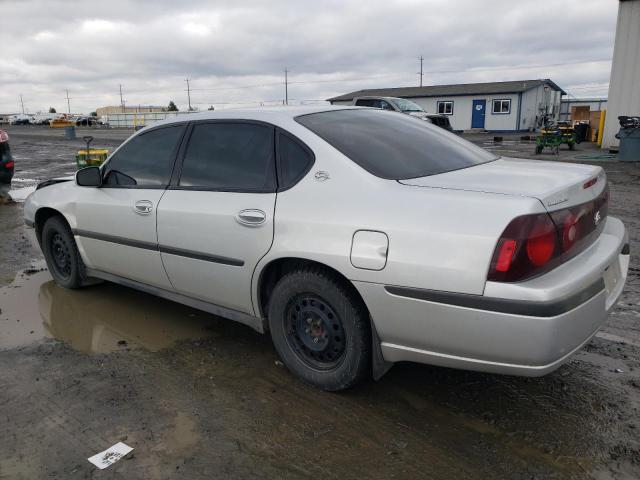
(9, 164)
(534, 244)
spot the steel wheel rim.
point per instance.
(60, 255)
(315, 332)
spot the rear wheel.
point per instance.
(61, 253)
(320, 329)
(572, 146)
(539, 149)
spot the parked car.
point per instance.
(6, 160)
(19, 120)
(356, 237)
(403, 105)
(85, 121)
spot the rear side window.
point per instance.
(394, 146)
(230, 156)
(294, 161)
(146, 160)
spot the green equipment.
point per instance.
(553, 135)
(91, 157)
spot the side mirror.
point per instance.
(89, 177)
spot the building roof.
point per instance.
(489, 88)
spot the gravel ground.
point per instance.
(200, 397)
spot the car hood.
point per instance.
(556, 185)
(421, 115)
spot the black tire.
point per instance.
(539, 149)
(321, 329)
(572, 146)
(61, 253)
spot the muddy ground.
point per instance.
(200, 397)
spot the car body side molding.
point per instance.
(256, 323)
(502, 305)
(161, 248)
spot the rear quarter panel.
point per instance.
(438, 239)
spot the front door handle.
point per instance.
(251, 217)
(143, 207)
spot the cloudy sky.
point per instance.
(235, 52)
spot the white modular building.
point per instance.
(518, 105)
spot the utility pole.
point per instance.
(22, 103)
(421, 72)
(286, 86)
(188, 93)
(121, 101)
(68, 102)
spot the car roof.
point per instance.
(265, 114)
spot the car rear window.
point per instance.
(393, 145)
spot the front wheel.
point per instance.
(61, 253)
(321, 329)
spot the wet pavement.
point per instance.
(201, 397)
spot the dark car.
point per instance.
(6, 160)
(403, 105)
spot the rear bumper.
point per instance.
(5, 175)
(529, 328)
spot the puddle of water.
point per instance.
(99, 319)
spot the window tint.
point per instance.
(146, 160)
(295, 161)
(233, 156)
(366, 102)
(394, 146)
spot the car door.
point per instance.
(215, 221)
(116, 223)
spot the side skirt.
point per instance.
(254, 322)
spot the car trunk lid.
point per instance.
(557, 185)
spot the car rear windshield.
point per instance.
(393, 145)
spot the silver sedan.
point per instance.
(356, 237)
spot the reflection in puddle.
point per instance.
(99, 319)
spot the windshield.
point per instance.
(407, 105)
(393, 145)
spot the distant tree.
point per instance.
(52, 110)
(172, 107)
(93, 114)
(211, 108)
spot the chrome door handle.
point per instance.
(143, 207)
(251, 217)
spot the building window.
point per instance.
(501, 106)
(445, 107)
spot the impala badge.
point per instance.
(596, 218)
(321, 176)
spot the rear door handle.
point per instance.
(143, 207)
(251, 217)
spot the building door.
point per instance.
(478, 113)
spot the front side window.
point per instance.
(407, 105)
(365, 102)
(230, 156)
(146, 160)
(394, 147)
(445, 107)
(386, 105)
(501, 106)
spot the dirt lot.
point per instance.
(200, 397)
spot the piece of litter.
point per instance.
(110, 456)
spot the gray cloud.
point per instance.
(330, 47)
